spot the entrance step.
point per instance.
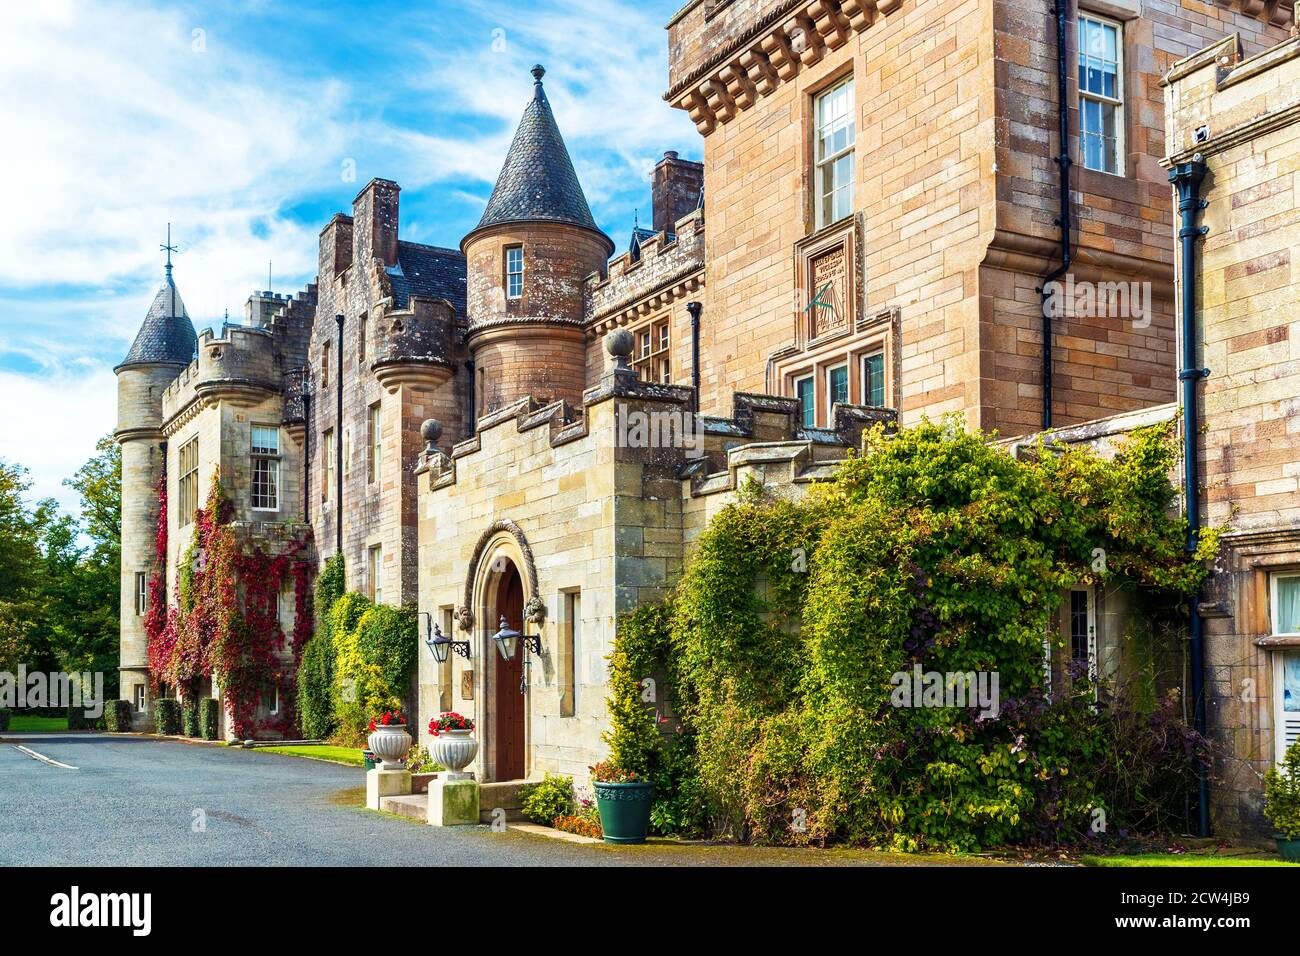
(415, 806)
(507, 795)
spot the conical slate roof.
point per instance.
(537, 182)
(166, 336)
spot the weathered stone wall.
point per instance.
(956, 200)
(1247, 306)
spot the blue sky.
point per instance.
(241, 123)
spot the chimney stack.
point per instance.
(676, 190)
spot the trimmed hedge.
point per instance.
(5, 714)
(77, 719)
(190, 720)
(117, 715)
(209, 718)
(167, 716)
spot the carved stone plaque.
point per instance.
(466, 685)
(827, 291)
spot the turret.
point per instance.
(526, 262)
(162, 349)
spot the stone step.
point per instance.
(415, 806)
(505, 794)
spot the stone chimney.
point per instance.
(676, 190)
(374, 215)
(335, 246)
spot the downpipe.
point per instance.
(1063, 214)
(1187, 178)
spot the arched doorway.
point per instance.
(508, 699)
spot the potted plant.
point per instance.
(623, 798)
(453, 744)
(389, 740)
(1282, 803)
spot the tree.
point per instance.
(22, 572)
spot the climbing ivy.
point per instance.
(937, 549)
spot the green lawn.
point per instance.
(348, 755)
(1183, 859)
(26, 724)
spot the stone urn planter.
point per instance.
(454, 750)
(390, 743)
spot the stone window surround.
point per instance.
(880, 337)
(847, 75)
(257, 456)
(662, 321)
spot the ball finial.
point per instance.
(538, 72)
(431, 431)
(619, 343)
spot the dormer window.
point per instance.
(514, 272)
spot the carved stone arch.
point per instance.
(534, 610)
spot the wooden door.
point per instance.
(508, 700)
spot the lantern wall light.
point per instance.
(439, 644)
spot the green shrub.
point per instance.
(934, 549)
(77, 719)
(331, 583)
(167, 716)
(5, 714)
(209, 718)
(315, 680)
(551, 798)
(190, 719)
(117, 716)
(1282, 794)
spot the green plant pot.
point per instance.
(1290, 849)
(368, 760)
(624, 810)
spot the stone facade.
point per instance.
(1238, 116)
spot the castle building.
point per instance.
(523, 436)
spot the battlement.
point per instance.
(239, 365)
(663, 263)
(415, 344)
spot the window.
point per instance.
(327, 484)
(325, 366)
(837, 388)
(273, 700)
(374, 450)
(805, 389)
(1101, 94)
(362, 325)
(141, 592)
(374, 564)
(188, 486)
(1286, 680)
(873, 379)
(1083, 630)
(139, 697)
(444, 669)
(514, 271)
(836, 131)
(570, 651)
(651, 359)
(266, 467)
(1284, 603)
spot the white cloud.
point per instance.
(53, 424)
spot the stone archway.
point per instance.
(501, 582)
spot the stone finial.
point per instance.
(538, 72)
(619, 344)
(431, 431)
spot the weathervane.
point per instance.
(169, 248)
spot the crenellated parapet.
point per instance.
(238, 366)
(416, 345)
(724, 55)
(665, 269)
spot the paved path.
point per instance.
(135, 801)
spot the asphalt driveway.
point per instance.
(136, 801)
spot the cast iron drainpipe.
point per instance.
(338, 448)
(695, 308)
(1063, 216)
(1187, 178)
